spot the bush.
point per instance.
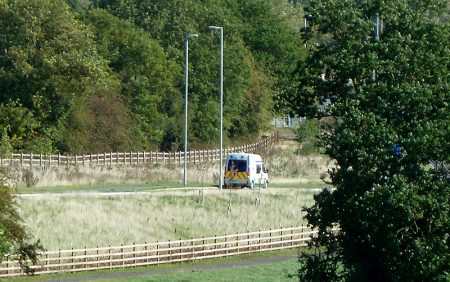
(307, 134)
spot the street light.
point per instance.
(305, 25)
(221, 101)
(186, 68)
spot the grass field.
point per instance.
(284, 160)
(207, 270)
(281, 271)
(63, 221)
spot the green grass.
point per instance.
(280, 271)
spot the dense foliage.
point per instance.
(389, 94)
(83, 76)
(14, 241)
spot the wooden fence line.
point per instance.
(133, 158)
(134, 255)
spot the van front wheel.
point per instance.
(266, 185)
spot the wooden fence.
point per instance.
(134, 255)
(134, 158)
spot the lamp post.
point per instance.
(221, 101)
(305, 25)
(186, 68)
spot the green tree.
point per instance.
(14, 240)
(254, 49)
(48, 60)
(389, 92)
(145, 73)
(5, 144)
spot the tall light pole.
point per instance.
(186, 71)
(221, 102)
(305, 25)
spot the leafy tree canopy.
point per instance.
(389, 93)
(14, 240)
(61, 59)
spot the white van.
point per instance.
(247, 170)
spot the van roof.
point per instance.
(237, 155)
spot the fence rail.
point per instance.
(133, 158)
(134, 255)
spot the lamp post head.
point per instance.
(213, 27)
(191, 35)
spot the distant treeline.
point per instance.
(80, 76)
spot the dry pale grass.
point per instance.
(94, 219)
(200, 174)
(288, 166)
(285, 163)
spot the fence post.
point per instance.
(40, 159)
(215, 244)
(71, 260)
(237, 242)
(270, 239)
(46, 262)
(259, 239)
(104, 158)
(180, 249)
(109, 257)
(146, 252)
(203, 246)
(134, 248)
(96, 257)
(157, 252)
(292, 242)
(248, 240)
(110, 158)
(85, 257)
(121, 252)
(281, 236)
(170, 253)
(59, 259)
(192, 249)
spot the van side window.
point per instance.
(258, 168)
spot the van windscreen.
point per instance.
(237, 165)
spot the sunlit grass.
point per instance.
(79, 220)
